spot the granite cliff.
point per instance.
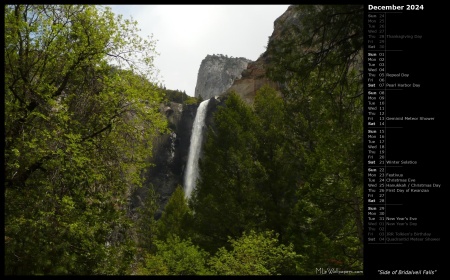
(170, 152)
(255, 75)
(220, 74)
(217, 73)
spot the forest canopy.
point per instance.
(80, 113)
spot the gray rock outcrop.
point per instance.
(170, 152)
(217, 73)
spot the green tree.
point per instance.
(225, 201)
(256, 254)
(175, 256)
(146, 225)
(278, 187)
(191, 100)
(330, 193)
(318, 37)
(318, 63)
(179, 97)
(80, 112)
(247, 177)
(176, 216)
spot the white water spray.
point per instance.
(191, 174)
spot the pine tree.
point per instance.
(225, 202)
(320, 69)
(176, 217)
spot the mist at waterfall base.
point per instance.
(191, 174)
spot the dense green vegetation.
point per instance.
(179, 97)
(281, 180)
(292, 162)
(79, 113)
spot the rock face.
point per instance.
(253, 78)
(290, 18)
(170, 152)
(217, 73)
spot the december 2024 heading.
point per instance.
(395, 8)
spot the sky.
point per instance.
(186, 34)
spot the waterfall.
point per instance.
(191, 174)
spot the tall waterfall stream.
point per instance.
(191, 174)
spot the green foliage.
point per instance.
(293, 162)
(192, 100)
(224, 201)
(146, 226)
(152, 265)
(247, 180)
(179, 97)
(255, 254)
(275, 155)
(176, 257)
(320, 68)
(321, 37)
(80, 114)
(176, 216)
(53, 235)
